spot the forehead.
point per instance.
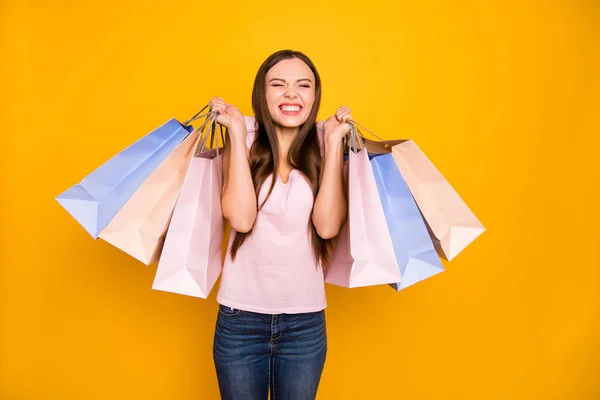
(291, 69)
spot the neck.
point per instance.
(286, 135)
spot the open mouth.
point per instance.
(289, 109)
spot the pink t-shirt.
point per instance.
(275, 271)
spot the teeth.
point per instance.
(290, 108)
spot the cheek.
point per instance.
(308, 101)
(271, 102)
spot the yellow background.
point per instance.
(503, 96)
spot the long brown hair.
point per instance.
(304, 153)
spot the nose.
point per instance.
(291, 93)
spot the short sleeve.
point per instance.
(251, 128)
(320, 136)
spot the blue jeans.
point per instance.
(257, 352)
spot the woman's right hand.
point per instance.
(229, 116)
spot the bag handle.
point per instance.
(353, 141)
(211, 132)
(351, 121)
(356, 142)
(379, 147)
(208, 125)
(222, 138)
(197, 115)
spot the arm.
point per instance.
(238, 197)
(331, 207)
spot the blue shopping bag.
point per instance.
(413, 247)
(99, 196)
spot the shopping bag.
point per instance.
(363, 253)
(191, 259)
(140, 226)
(451, 224)
(98, 197)
(413, 247)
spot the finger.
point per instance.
(344, 116)
(347, 110)
(217, 100)
(342, 110)
(346, 128)
(219, 106)
(341, 113)
(222, 120)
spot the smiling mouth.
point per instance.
(290, 110)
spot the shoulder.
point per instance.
(251, 128)
(251, 125)
(320, 136)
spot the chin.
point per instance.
(290, 124)
(290, 121)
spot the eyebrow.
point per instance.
(283, 80)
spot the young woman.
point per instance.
(283, 197)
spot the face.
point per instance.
(290, 92)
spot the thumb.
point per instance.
(223, 119)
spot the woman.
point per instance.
(283, 197)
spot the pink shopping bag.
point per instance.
(451, 224)
(191, 260)
(363, 254)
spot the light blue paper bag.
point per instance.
(415, 253)
(97, 199)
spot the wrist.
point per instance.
(334, 136)
(333, 143)
(237, 129)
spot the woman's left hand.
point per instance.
(335, 127)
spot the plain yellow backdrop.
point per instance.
(503, 96)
